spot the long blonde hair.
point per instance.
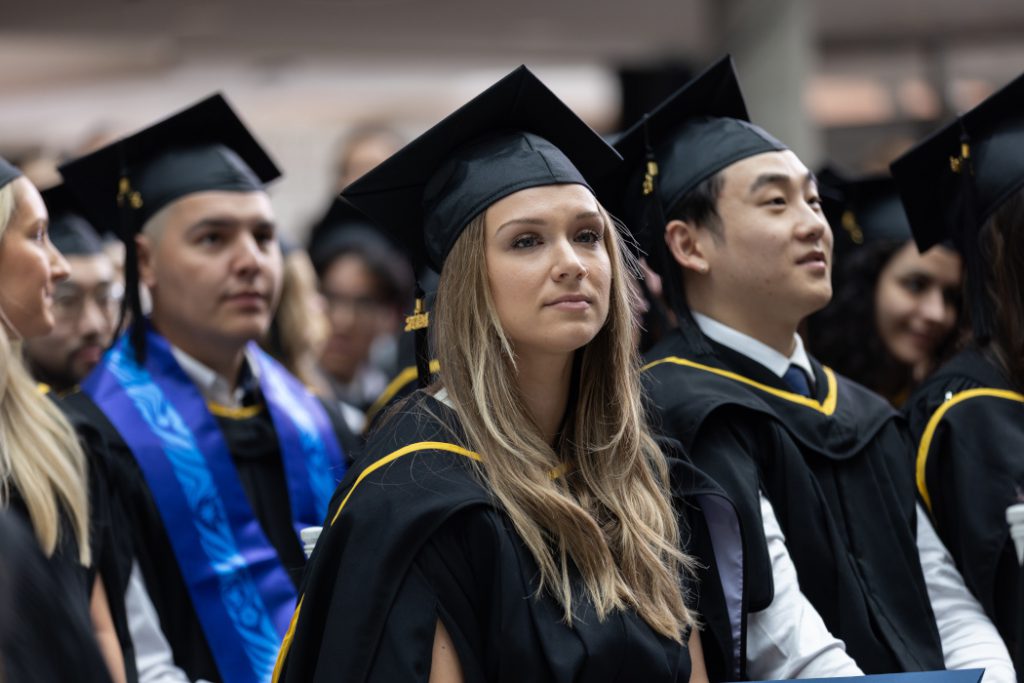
(40, 455)
(611, 514)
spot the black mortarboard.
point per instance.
(953, 181)
(202, 148)
(344, 225)
(515, 135)
(205, 147)
(699, 130)
(69, 231)
(7, 172)
(862, 210)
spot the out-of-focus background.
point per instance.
(849, 81)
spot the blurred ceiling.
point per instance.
(71, 69)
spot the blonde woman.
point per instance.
(43, 473)
(513, 522)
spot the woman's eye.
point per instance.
(814, 201)
(525, 241)
(775, 201)
(588, 236)
(915, 285)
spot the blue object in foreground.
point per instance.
(964, 676)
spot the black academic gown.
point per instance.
(419, 538)
(106, 561)
(46, 635)
(839, 483)
(968, 424)
(252, 441)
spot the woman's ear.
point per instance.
(686, 245)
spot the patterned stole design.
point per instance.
(240, 591)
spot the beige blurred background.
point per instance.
(850, 81)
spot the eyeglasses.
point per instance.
(69, 300)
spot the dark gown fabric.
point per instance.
(837, 473)
(46, 634)
(252, 441)
(419, 538)
(106, 561)
(970, 469)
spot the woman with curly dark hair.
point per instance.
(966, 183)
(894, 310)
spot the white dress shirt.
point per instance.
(969, 640)
(214, 387)
(153, 657)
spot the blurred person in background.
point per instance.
(966, 184)
(84, 305)
(367, 287)
(361, 149)
(299, 329)
(893, 315)
(44, 475)
(218, 452)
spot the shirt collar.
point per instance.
(214, 387)
(755, 350)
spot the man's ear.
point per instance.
(685, 243)
(147, 273)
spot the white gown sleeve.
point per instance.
(969, 640)
(153, 657)
(788, 639)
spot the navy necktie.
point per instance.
(796, 378)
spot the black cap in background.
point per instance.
(862, 210)
(7, 172)
(515, 135)
(69, 231)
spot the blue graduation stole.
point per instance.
(242, 594)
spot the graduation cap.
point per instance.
(7, 172)
(69, 231)
(344, 226)
(205, 147)
(698, 131)
(952, 182)
(515, 135)
(862, 210)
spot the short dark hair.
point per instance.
(699, 206)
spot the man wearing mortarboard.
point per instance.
(219, 454)
(733, 224)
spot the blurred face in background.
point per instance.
(85, 312)
(916, 302)
(357, 315)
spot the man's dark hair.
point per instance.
(699, 206)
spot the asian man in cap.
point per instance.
(85, 305)
(964, 185)
(733, 223)
(219, 455)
